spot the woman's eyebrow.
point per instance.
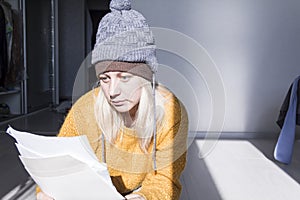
(124, 73)
(104, 74)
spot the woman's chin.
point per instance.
(121, 108)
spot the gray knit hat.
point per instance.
(123, 35)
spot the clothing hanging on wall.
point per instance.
(16, 66)
(3, 48)
(12, 67)
(288, 118)
(285, 106)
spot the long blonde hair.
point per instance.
(111, 122)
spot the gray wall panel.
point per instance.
(38, 53)
(71, 19)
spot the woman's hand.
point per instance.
(43, 196)
(134, 197)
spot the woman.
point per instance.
(133, 124)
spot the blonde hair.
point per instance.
(111, 122)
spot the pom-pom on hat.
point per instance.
(123, 35)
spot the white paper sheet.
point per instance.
(78, 147)
(64, 167)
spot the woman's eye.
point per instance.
(104, 79)
(125, 78)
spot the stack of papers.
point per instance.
(64, 167)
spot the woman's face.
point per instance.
(122, 90)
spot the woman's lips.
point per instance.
(118, 103)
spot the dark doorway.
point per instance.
(96, 16)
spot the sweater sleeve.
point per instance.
(164, 184)
(68, 128)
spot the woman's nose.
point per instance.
(114, 89)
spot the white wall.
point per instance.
(255, 45)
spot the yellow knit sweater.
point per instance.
(129, 166)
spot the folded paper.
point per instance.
(65, 168)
